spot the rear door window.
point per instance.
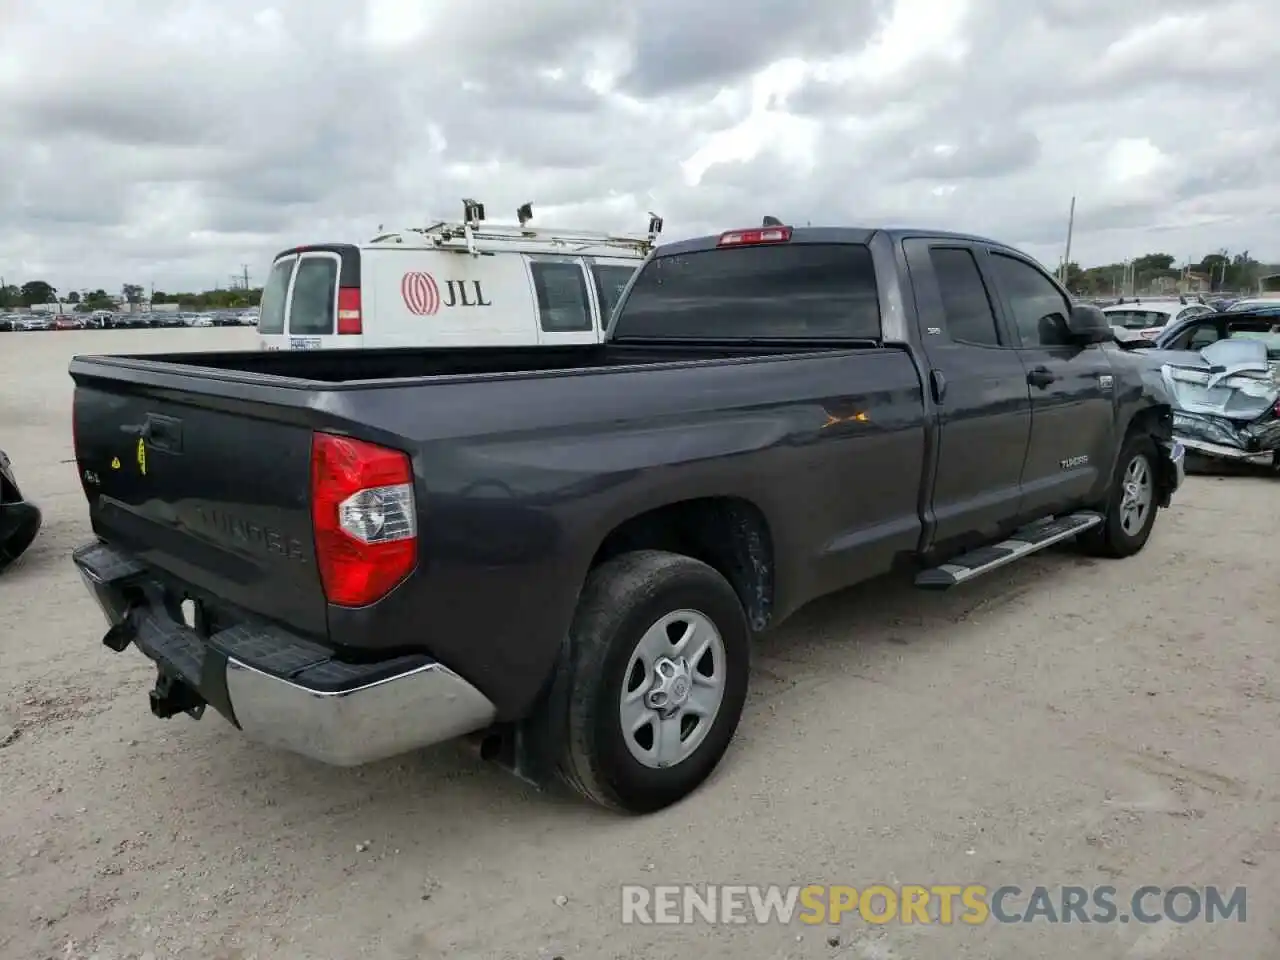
(609, 280)
(965, 302)
(313, 308)
(274, 297)
(561, 289)
(824, 291)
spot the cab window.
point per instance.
(1039, 308)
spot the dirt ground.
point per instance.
(1064, 722)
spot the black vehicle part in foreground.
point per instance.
(564, 552)
(19, 518)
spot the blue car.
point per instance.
(1221, 369)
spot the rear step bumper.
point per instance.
(280, 689)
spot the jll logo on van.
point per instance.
(422, 294)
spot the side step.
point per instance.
(1023, 542)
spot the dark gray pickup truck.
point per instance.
(563, 553)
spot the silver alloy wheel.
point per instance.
(1139, 493)
(673, 688)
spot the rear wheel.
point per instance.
(659, 679)
(1130, 511)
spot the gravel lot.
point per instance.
(1067, 721)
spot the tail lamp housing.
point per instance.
(364, 518)
(350, 316)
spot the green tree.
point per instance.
(37, 291)
(1075, 277)
(98, 300)
(1153, 263)
(132, 292)
(73, 297)
(10, 296)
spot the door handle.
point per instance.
(937, 385)
(1041, 377)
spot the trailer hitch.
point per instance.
(172, 696)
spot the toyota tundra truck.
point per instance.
(562, 554)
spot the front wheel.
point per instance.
(1131, 508)
(660, 665)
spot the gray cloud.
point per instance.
(172, 140)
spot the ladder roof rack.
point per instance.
(474, 234)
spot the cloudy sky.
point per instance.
(170, 141)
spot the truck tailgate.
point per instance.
(216, 498)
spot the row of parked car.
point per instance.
(1145, 318)
(32, 322)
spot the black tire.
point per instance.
(1110, 538)
(621, 600)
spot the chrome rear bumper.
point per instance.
(280, 689)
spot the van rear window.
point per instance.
(271, 312)
(313, 309)
(819, 291)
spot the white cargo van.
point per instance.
(450, 284)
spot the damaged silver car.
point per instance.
(1226, 394)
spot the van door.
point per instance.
(311, 319)
(565, 307)
(274, 303)
(609, 279)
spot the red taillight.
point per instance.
(363, 517)
(746, 238)
(349, 318)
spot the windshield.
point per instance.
(805, 291)
(1136, 319)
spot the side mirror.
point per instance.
(1088, 324)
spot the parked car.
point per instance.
(564, 552)
(1143, 319)
(19, 518)
(1252, 303)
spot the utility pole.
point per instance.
(1066, 257)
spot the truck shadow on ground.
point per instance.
(446, 795)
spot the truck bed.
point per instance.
(363, 366)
